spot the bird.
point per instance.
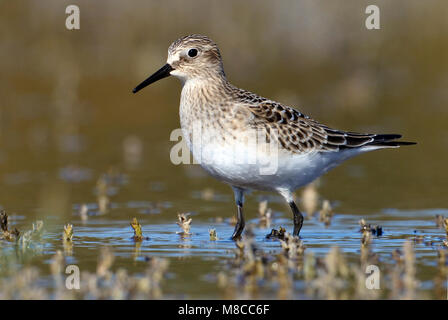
(248, 141)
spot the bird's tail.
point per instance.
(388, 140)
(339, 140)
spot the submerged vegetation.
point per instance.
(102, 284)
(289, 272)
(6, 233)
(259, 274)
(277, 234)
(289, 268)
(213, 235)
(184, 222)
(138, 235)
(78, 164)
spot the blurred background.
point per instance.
(67, 114)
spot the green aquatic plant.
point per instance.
(213, 235)
(67, 239)
(138, 235)
(67, 234)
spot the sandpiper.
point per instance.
(226, 114)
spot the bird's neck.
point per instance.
(200, 100)
(205, 91)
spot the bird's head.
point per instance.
(190, 57)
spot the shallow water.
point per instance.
(68, 119)
(195, 260)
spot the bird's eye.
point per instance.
(192, 53)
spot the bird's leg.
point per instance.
(239, 200)
(298, 218)
(239, 225)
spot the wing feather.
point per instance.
(299, 133)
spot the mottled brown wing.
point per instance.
(299, 133)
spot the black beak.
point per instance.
(160, 74)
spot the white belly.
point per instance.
(247, 167)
